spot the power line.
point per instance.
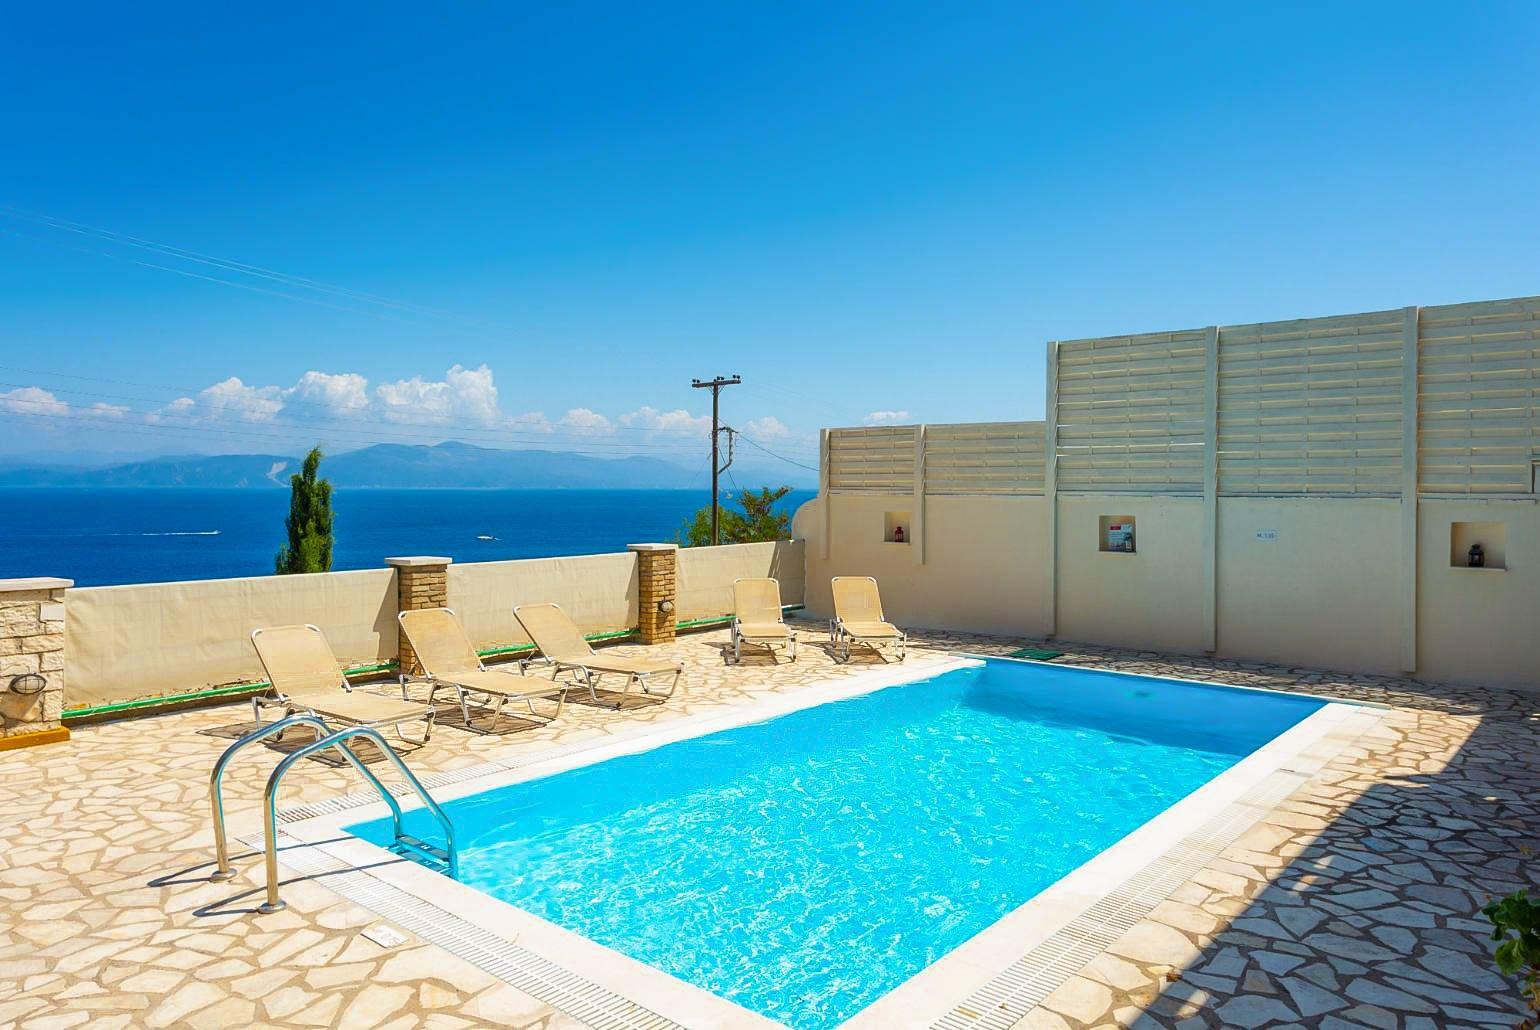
(239, 267)
(753, 443)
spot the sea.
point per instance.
(99, 537)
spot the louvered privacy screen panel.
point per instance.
(1131, 413)
(1478, 384)
(872, 461)
(1311, 406)
(975, 458)
(984, 458)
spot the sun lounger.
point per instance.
(561, 644)
(858, 618)
(757, 618)
(445, 656)
(305, 677)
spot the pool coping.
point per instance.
(990, 980)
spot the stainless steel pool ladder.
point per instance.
(447, 856)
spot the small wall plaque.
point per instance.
(1268, 535)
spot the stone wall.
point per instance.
(657, 583)
(32, 660)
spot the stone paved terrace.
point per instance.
(1353, 903)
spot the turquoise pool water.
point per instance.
(805, 866)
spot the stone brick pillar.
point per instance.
(421, 582)
(32, 661)
(657, 589)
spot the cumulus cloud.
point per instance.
(886, 418)
(464, 401)
(767, 428)
(585, 419)
(678, 421)
(32, 400)
(343, 394)
(234, 400)
(467, 394)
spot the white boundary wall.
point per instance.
(706, 574)
(598, 590)
(1297, 489)
(153, 640)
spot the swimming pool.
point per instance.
(804, 866)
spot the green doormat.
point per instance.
(1035, 653)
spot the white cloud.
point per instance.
(585, 419)
(531, 422)
(232, 398)
(886, 418)
(677, 422)
(767, 428)
(32, 400)
(343, 394)
(101, 410)
(466, 394)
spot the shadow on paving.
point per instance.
(1371, 912)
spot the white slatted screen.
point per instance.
(1478, 397)
(984, 458)
(1131, 414)
(878, 460)
(1311, 406)
(1306, 407)
(1002, 458)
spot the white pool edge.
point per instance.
(932, 996)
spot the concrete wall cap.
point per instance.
(417, 562)
(652, 547)
(11, 586)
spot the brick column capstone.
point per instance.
(421, 582)
(656, 592)
(32, 661)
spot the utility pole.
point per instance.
(715, 385)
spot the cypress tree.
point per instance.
(309, 522)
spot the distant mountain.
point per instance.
(446, 465)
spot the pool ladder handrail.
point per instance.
(326, 738)
(223, 870)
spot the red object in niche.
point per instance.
(898, 534)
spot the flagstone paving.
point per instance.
(1354, 903)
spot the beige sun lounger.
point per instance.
(757, 618)
(305, 677)
(858, 618)
(446, 658)
(561, 644)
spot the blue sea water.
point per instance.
(105, 536)
(805, 866)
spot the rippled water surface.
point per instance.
(806, 866)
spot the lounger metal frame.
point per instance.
(278, 699)
(461, 692)
(738, 639)
(842, 638)
(590, 678)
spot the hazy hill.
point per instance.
(449, 464)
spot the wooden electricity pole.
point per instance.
(715, 386)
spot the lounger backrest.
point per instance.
(757, 600)
(298, 661)
(552, 631)
(440, 642)
(856, 599)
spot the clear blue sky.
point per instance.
(862, 209)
